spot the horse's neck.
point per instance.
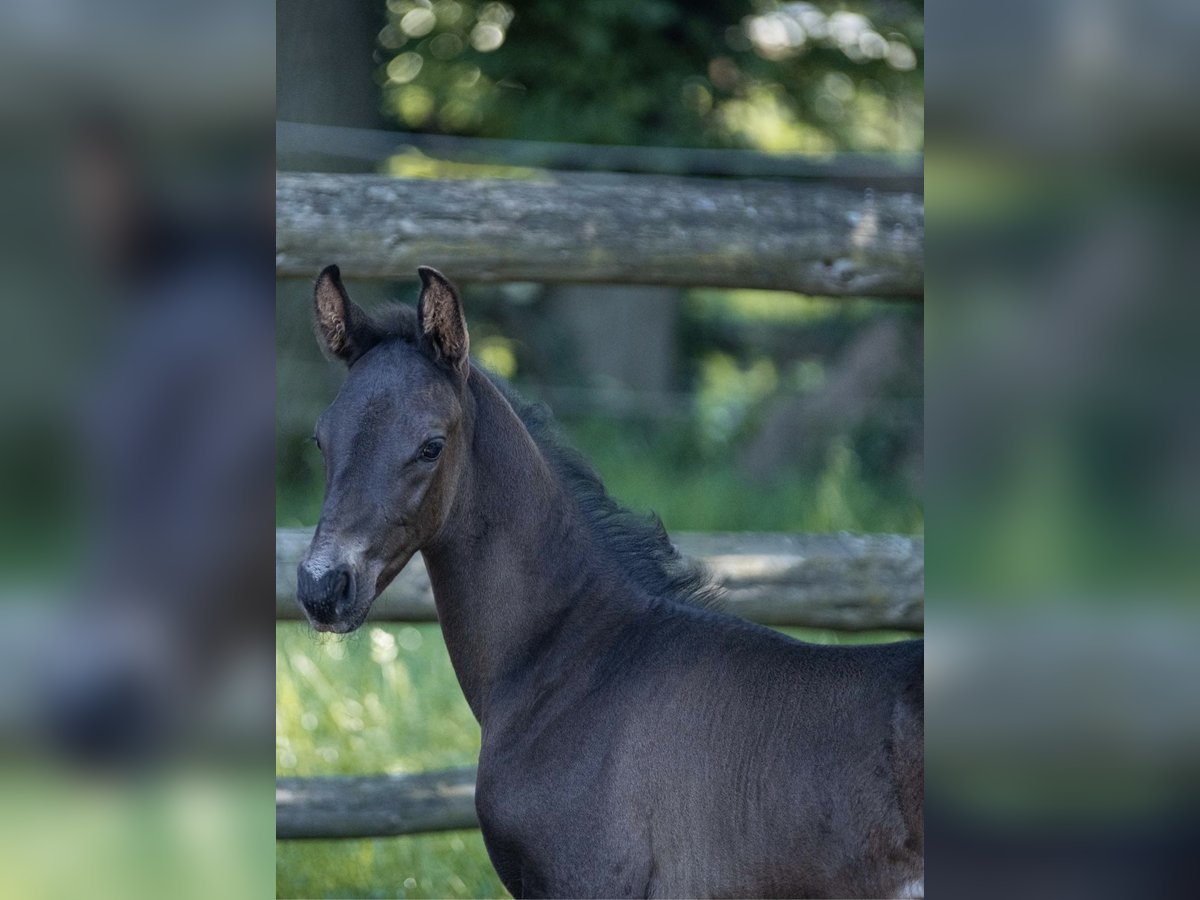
(511, 564)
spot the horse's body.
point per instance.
(635, 741)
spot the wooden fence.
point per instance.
(374, 805)
(614, 229)
(810, 237)
(839, 581)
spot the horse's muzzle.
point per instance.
(329, 599)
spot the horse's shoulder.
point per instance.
(567, 832)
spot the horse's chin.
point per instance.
(349, 622)
(338, 627)
(389, 572)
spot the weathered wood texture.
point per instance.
(374, 805)
(619, 229)
(839, 581)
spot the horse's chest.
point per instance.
(555, 827)
(529, 793)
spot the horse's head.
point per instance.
(395, 440)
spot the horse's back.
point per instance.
(786, 769)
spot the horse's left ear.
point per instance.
(440, 313)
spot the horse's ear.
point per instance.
(344, 331)
(443, 324)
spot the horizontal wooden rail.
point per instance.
(838, 581)
(617, 229)
(374, 805)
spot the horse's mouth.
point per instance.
(342, 625)
(342, 621)
(336, 627)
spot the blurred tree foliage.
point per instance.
(780, 77)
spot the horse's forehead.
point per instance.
(401, 380)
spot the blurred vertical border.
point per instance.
(1063, 434)
(136, 448)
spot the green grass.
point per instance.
(432, 865)
(386, 700)
(382, 700)
(192, 831)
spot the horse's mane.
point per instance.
(639, 543)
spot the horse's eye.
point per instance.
(432, 449)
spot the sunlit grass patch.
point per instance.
(383, 700)
(454, 864)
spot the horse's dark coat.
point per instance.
(636, 741)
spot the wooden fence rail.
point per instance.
(838, 581)
(374, 805)
(813, 238)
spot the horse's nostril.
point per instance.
(326, 596)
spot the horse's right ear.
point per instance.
(344, 331)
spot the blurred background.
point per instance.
(136, 448)
(721, 409)
(1063, 490)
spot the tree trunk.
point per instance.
(325, 62)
